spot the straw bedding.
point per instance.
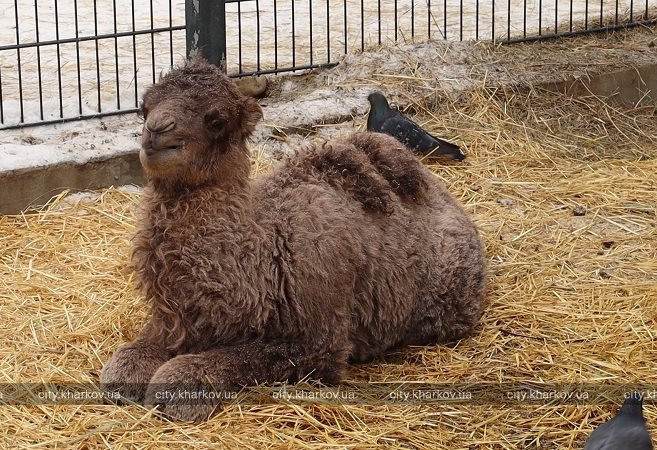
(563, 191)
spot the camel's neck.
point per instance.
(213, 187)
(194, 207)
(215, 170)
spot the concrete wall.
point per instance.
(627, 87)
(35, 186)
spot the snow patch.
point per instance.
(74, 143)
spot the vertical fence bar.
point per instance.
(508, 20)
(362, 25)
(556, 16)
(59, 64)
(206, 30)
(346, 29)
(171, 32)
(38, 53)
(444, 32)
(445, 19)
(152, 40)
(570, 23)
(524, 19)
(77, 55)
(310, 28)
(275, 37)
(461, 20)
(428, 19)
(116, 59)
(328, 32)
(258, 54)
(379, 19)
(239, 36)
(476, 20)
(492, 26)
(294, 47)
(134, 54)
(18, 61)
(258, 40)
(396, 24)
(412, 20)
(97, 56)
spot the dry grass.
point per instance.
(571, 296)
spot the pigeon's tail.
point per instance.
(448, 149)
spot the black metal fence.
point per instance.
(63, 60)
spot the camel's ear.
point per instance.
(251, 115)
(215, 123)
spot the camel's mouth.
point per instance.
(158, 157)
(151, 151)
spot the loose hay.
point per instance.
(571, 296)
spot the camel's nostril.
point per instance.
(146, 138)
(153, 142)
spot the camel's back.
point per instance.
(366, 186)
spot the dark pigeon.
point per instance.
(383, 119)
(626, 431)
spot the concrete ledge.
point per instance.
(35, 186)
(637, 85)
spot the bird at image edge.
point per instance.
(626, 431)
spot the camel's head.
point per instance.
(196, 123)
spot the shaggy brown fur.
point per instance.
(346, 250)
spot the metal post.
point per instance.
(206, 30)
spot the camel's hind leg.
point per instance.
(449, 311)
